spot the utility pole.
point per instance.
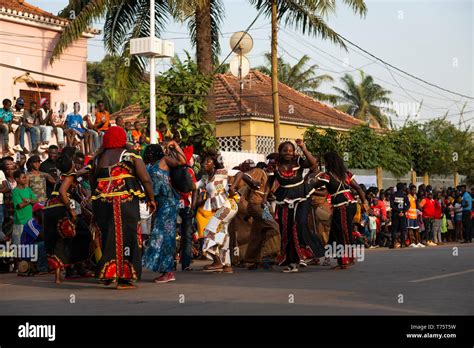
(276, 106)
(153, 137)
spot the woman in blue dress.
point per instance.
(159, 256)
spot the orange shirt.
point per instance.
(136, 134)
(102, 117)
(411, 213)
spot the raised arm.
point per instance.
(175, 162)
(310, 162)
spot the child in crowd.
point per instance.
(136, 132)
(458, 219)
(128, 130)
(449, 212)
(33, 235)
(23, 201)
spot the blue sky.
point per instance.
(433, 40)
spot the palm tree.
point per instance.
(300, 77)
(364, 100)
(126, 19)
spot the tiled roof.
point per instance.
(295, 107)
(21, 9)
(130, 113)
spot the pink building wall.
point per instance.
(29, 47)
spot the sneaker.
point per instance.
(18, 148)
(43, 147)
(165, 278)
(292, 268)
(430, 243)
(413, 245)
(420, 245)
(397, 246)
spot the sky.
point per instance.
(431, 39)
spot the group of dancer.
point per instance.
(120, 179)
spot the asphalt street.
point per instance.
(428, 281)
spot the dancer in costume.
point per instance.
(339, 182)
(67, 236)
(159, 256)
(220, 208)
(117, 177)
(292, 198)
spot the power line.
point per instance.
(238, 42)
(403, 71)
(122, 88)
(354, 69)
(309, 45)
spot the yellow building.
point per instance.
(252, 120)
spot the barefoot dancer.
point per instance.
(115, 179)
(339, 182)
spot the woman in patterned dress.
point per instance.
(116, 178)
(159, 256)
(67, 236)
(292, 197)
(339, 182)
(220, 207)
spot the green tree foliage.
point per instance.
(104, 80)
(321, 140)
(429, 147)
(181, 103)
(364, 100)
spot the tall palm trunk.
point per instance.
(276, 107)
(204, 49)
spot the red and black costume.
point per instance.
(344, 209)
(297, 243)
(67, 242)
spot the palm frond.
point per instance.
(93, 10)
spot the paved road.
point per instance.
(431, 280)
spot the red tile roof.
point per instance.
(130, 113)
(20, 8)
(295, 107)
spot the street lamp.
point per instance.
(152, 47)
(241, 43)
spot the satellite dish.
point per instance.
(235, 63)
(244, 46)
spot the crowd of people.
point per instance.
(39, 122)
(407, 216)
(106, 203)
